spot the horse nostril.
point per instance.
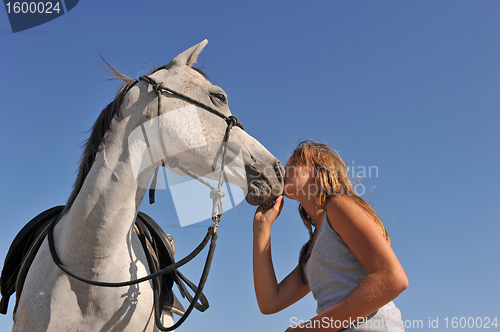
(279, 171)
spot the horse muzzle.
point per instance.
(265, 182)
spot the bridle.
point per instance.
(217, 193)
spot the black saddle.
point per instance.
(157, 246)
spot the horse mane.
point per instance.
(99, 129)
(103, 123)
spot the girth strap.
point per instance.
(211, 235)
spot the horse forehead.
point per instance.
(184, 79)
(190, 83)
(193, 84)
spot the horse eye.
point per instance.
(220, 96)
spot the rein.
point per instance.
(216, 194)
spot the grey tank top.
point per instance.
(333, 271)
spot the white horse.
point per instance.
(95, 238)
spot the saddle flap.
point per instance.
(22, 251)
(157, 245)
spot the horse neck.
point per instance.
(99, 222)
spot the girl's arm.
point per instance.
(271, 296)
(386, 278)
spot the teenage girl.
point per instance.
(348, 263)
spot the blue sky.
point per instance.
(411, 88)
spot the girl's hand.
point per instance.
(267, 213)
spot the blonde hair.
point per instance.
(331, 179)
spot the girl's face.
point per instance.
(298, 181)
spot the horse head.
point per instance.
(176, 115)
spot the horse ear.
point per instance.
(189, 56)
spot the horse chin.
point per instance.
(261, 193)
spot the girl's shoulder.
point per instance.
(342, 205)
(344, 214)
